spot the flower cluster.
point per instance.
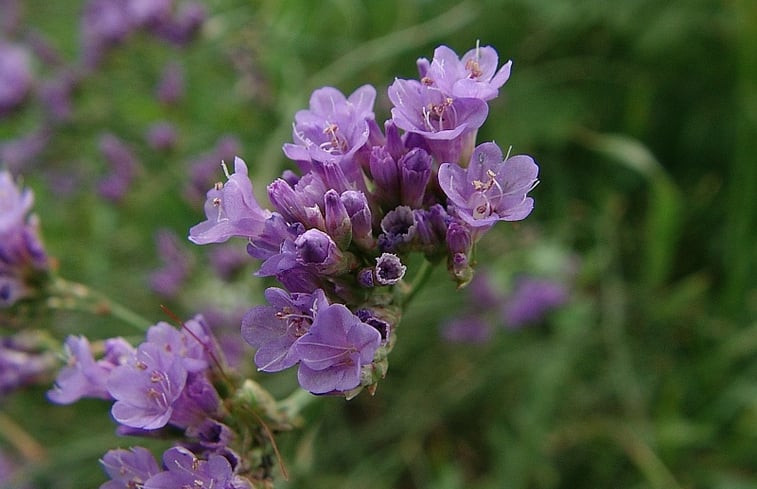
(529, 301)
(23, 261)
(345, 228)
(165, 384)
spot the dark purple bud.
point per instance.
(385, 175)
(415, 172)
(394, 144)
(332, 175)
(316, 249)
(431, 226)
(368, 317)
(365, 277)
(357, 208)
(389, 269)
(338, 223)
(458, 238)
(293, 206)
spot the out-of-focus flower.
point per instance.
(23, 261)
(531, 300)
(123, 167)
(171, 85)
(167, 280)
(15, 76)
(23, 361)
(161, 136)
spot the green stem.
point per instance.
(419, 281)
(65, 294)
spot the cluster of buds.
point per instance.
(343, 230)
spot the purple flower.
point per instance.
(146, 387)
(184, 469)
(190, 343)
(446, 123)
(531, 300)
(198, 401)
(475, 75)
(490, 189)
(333, 129)
(83, 376)
(231, 210)
(334, 350)
(128, 469)
(273, 329)
(15, 76)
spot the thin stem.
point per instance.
(419, 281)
(65, 294)
(20, 439)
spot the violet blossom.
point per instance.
(184, 469)
(231, 210)
(128, 469)
(146, 387)
(83, 376)
(491, 188)
(334, 350)
(333, 129)
(531, 300)
(474, 75)
(273, 329)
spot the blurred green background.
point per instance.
(643, 118)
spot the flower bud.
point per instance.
(338, 223)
